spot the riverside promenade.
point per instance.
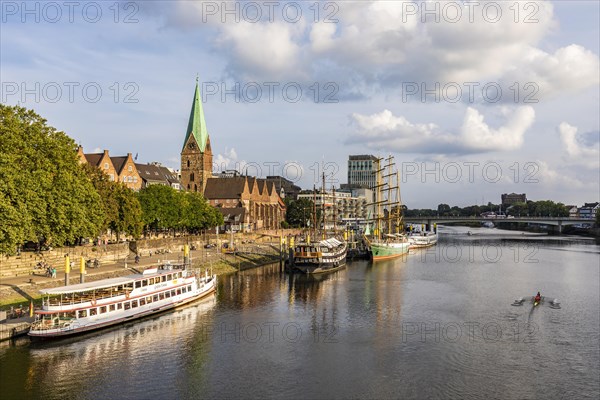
(16, 293)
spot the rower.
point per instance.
(537, 298)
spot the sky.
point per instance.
(474, 99)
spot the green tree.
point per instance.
(161, 207)
(45, 193)
(518, 209)
(299, 213)
(129, 212)
(443, 209)
(198, 214)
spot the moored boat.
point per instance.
(327, 255)
(422, 239)
(83, 307)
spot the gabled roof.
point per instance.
(156, 173)
(119, 163)
(225, 188)
(94, 158)
(196, 123)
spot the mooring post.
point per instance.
(67, 269)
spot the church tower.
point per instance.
(196, 154)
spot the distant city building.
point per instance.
(228, 173)
(361, 171)
(573, 211)
(120, 169)
(156, 174)
(509, 199)
(589, 210)
(352, 207)
(285, 187)
(196, 154)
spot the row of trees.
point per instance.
(543, 208)
(48, 196)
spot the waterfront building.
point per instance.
(247, 203)
(589, 210)
(352, 206)
(573, 211)
(156, 174)
(121, 168)
(196, 154)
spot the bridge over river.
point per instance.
(559, 222)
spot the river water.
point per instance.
(435, 324)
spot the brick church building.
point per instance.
(247, 203)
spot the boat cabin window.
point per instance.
(164, 278)
(173, 292)
(162, 296)
(183, 289)
(180, 274)
(102, 309)
(155, 297)
(190, 288)
(112, 307)
(145, 282)
(119, 306)
(82, 313)
(93, 311)
(167, 294)
(134, 303)
(149, 299)
(138, 284)
(170, 277)
(142, 301)
(127, 306)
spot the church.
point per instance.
(247, 203)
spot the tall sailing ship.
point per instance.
(388, 240)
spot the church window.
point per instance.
(105, 165)
(188, 163)
(195, 188)
(192, 177)
(129, 168)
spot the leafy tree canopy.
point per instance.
(45, 192)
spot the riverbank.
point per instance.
(19, 291)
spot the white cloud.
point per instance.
(478, 135)
(576, 152)
(227, 161)
(382, 44)
(550, 177)
(385, 131)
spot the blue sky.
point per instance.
(473, 103)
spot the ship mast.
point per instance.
(323, 205)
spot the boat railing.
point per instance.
(86, 298)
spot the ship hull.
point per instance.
(388, 251)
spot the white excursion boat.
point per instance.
(83, 307)
(422, 239)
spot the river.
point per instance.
(435, 324)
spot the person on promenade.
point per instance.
(53, 272)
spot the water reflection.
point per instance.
(108, 363)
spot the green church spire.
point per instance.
(197, 124)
